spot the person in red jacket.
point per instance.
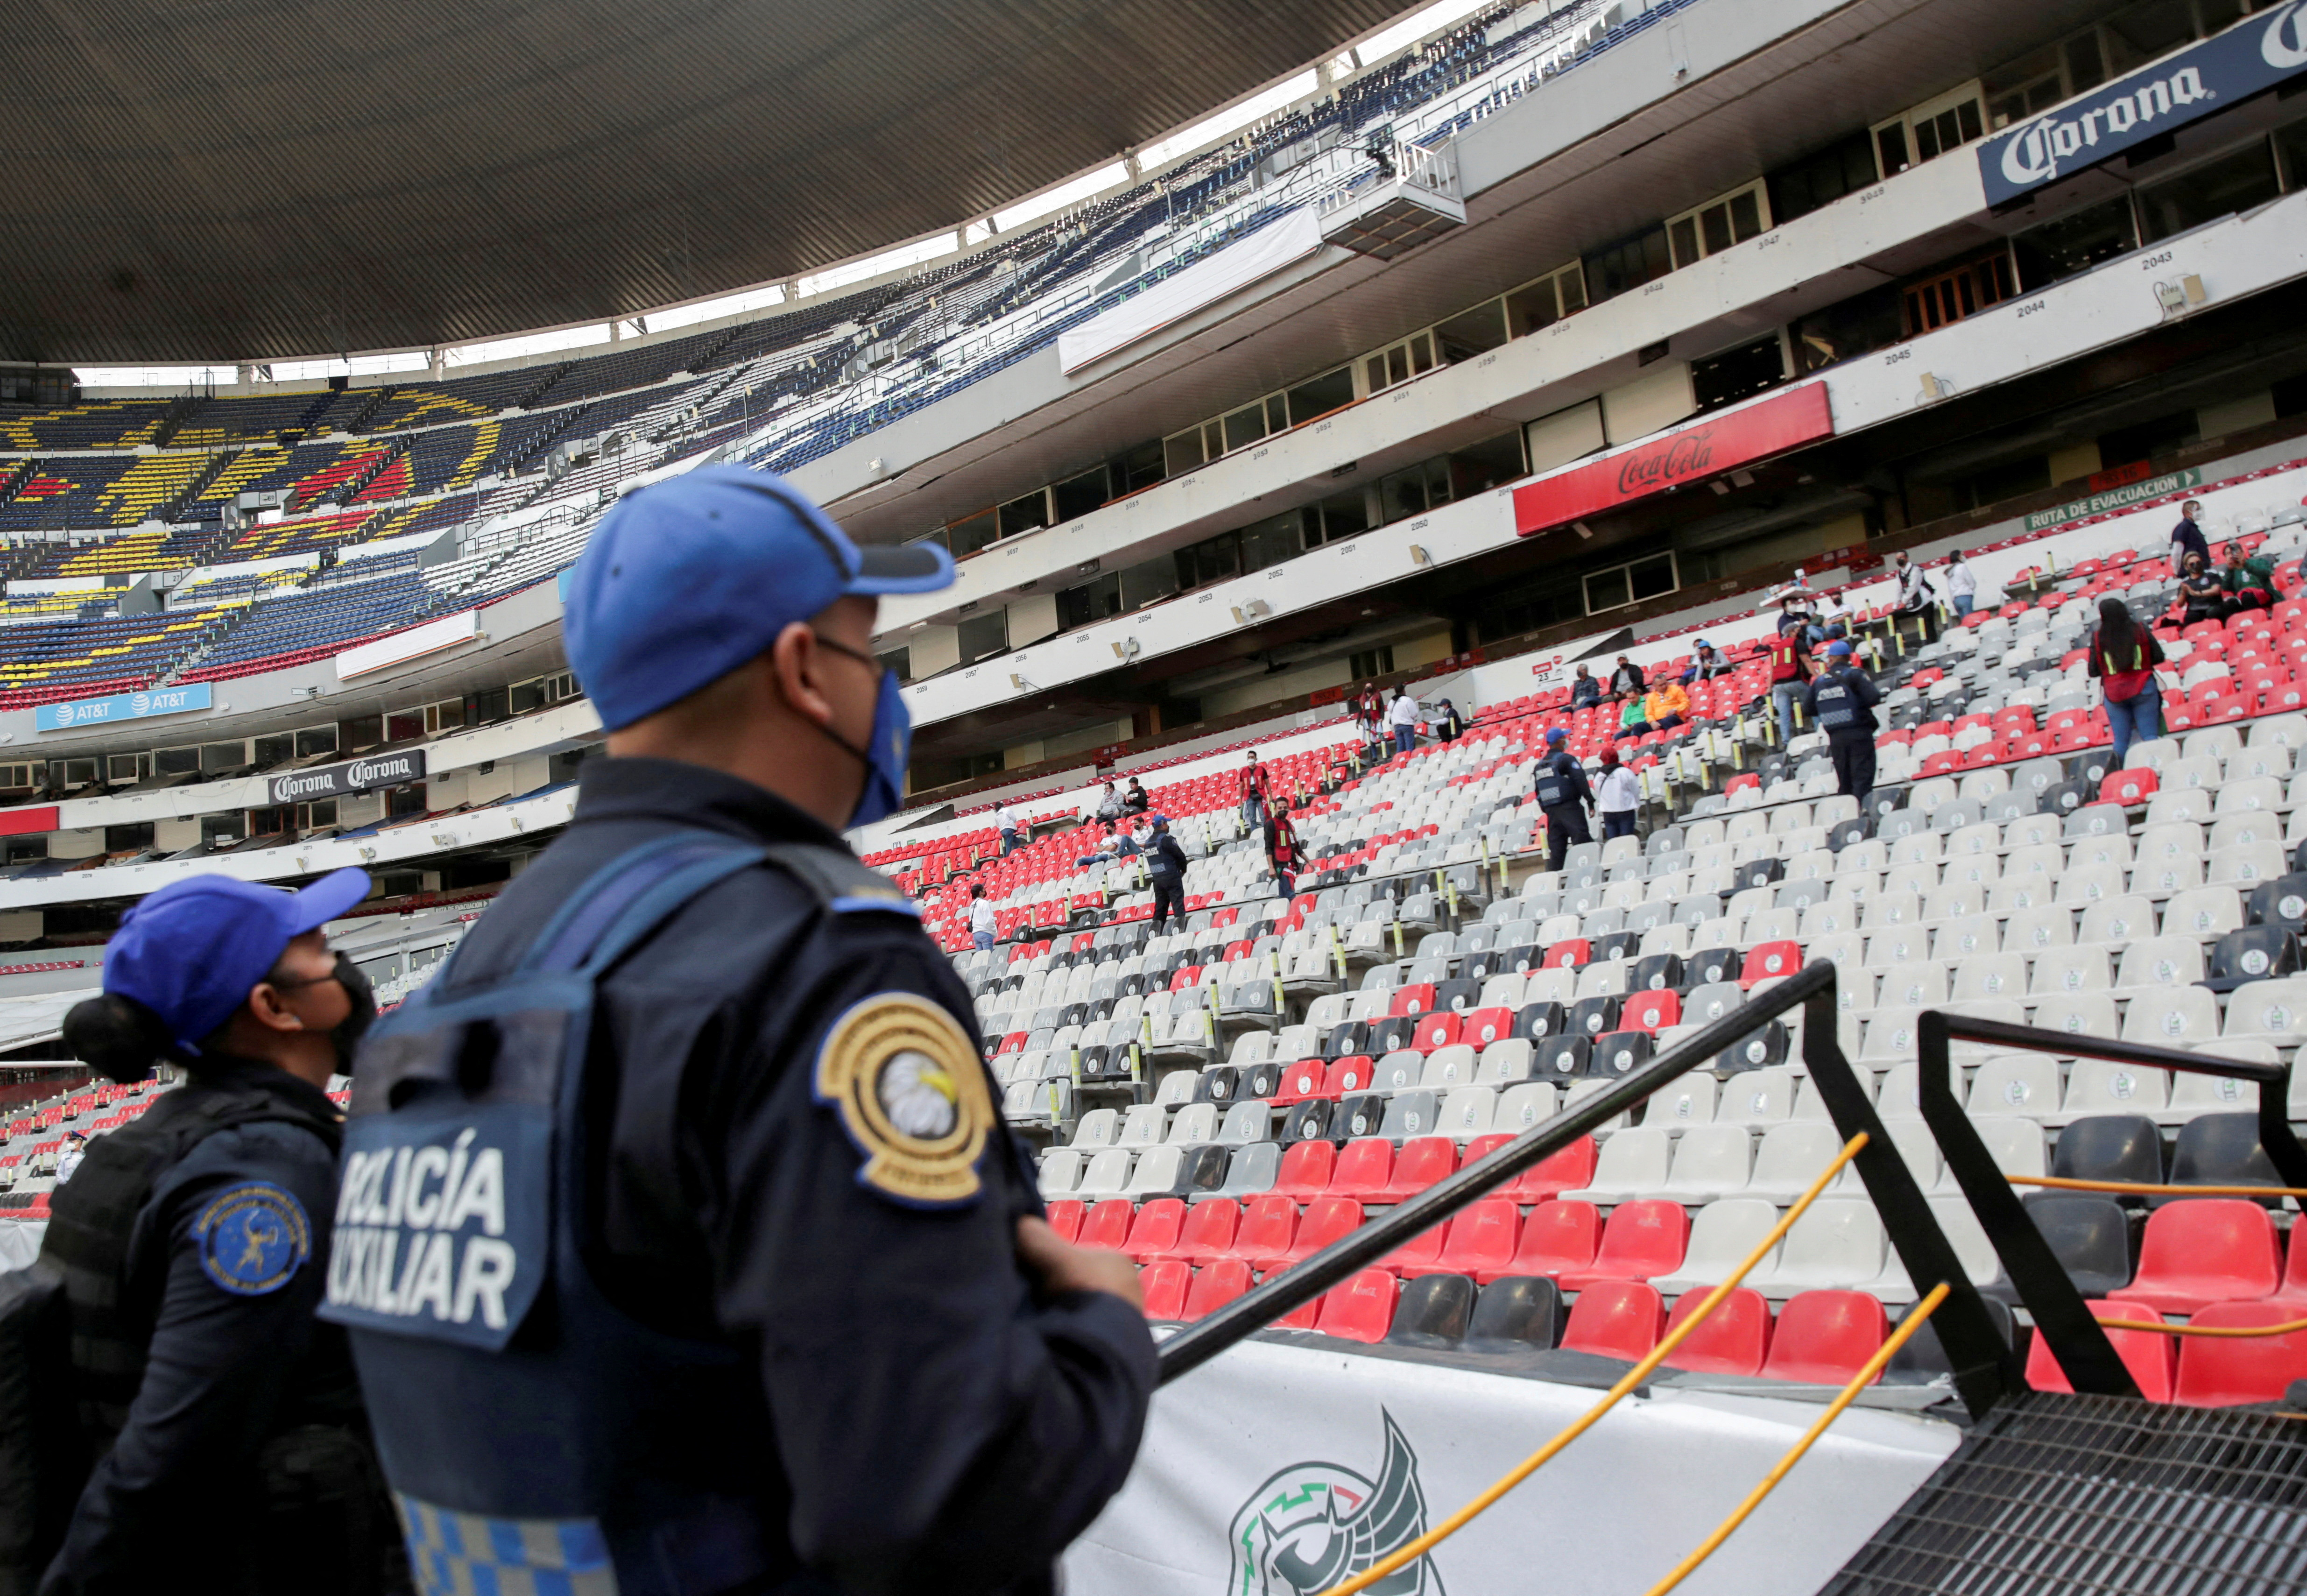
(2123, 656)
(1284, 852)
(1257, 786)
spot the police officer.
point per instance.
(684, 1250)
(1841, 701)
(229, 1449)
(1165, 867)
(1564, 796)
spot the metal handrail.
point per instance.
(2084, 1352)
(1985, 1365)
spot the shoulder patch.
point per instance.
(912, 1094)
(253, 1239)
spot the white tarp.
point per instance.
(36, 1017)
(1278, 1470)
(1203, 283)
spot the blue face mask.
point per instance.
(888, 750)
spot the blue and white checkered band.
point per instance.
(465, 1554)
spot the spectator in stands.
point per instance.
(1791, 674)
(1136, 799)
(1842, 701)
(1585, 692)
(1833, 616)
(1706, 663)
(1633, 717)
(1962, 587)
(1918, 599)
(1402, 714)
(1617, 795)
(1563, 798)
(1666, 706)
(2202, 593)
(1255, 784)
(1012, 827)
(868, 1363)
(193, 1247)
(2187, 537)
(1371, 710)
(1627, 679)
(1109, 805)
(1795, 617)
(981, 917)
(2249, 580)
(69, 1160)
(2123, 656)
(1449, 724)
(1165, 866)
(1283, 853)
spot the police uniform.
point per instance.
(1562, 796)
(1842, 704)
(1165, 867)
(225, 1424)
(679, 1242)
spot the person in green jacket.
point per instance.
(2248, 580)
(1633, 720)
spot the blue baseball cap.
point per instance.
(191, 951)
(1556, 734)
(1838, 647)
(688, 579)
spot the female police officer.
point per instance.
(230, 1452)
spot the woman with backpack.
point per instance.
(220, 1429)
(2123, 656)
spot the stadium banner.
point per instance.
(2113, 499)
(354, 776)
(1688, 454)
(1280, 1468)
(2221, 71)
(1203, 283)
(120, 706)
(415, 643)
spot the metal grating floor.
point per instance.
(2054, 1493)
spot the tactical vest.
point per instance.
(93, 1215)
(524, 1420)
(1553, 786)
(1838, 708)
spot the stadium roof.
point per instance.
(272, 178)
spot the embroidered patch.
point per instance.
(253, 1239)
(912, 1094)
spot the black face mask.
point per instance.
(349, 1032)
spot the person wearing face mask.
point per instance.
(759, 1293)
(192, 1247)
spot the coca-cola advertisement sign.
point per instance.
(1691, 454)
(355, 776)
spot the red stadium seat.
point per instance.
(1416, 1256)
(1651, 1012)
(2129, 788)
(1566, 956)
(1218, 1283)
(1641, 1240)
(1421, 1163)
(1558, 1238)
(1269, 1225)
(1165, 1282)
(1066, 1218)
(1481, 1240)
(2204, 1250)
(1350, 1073)
(1300, 1081)
(1616, 1318)
(1108, 1224)
(1209, 1230)
(1734, 1340)
(1435, 1031)
(1326, 1219)
(1480, 1027)
(1362, 1309)
(2152, 1360)
(1306, 1171)
(2218, 1371)
(1410, 1000)
(1153, 1233)
(1769, 959)
(2293, 1288)
(1364, 1168)
(1826, 1337)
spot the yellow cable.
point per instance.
(2062, 1183)
(1860, 1382)
(1632, 1378)
(2246, 1332)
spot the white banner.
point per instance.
(1279, 1471)
(412, 644)
(1203, 283)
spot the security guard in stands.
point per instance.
(1564, 797)
(683, 1248)
(224, 1424)
(1841, 702)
